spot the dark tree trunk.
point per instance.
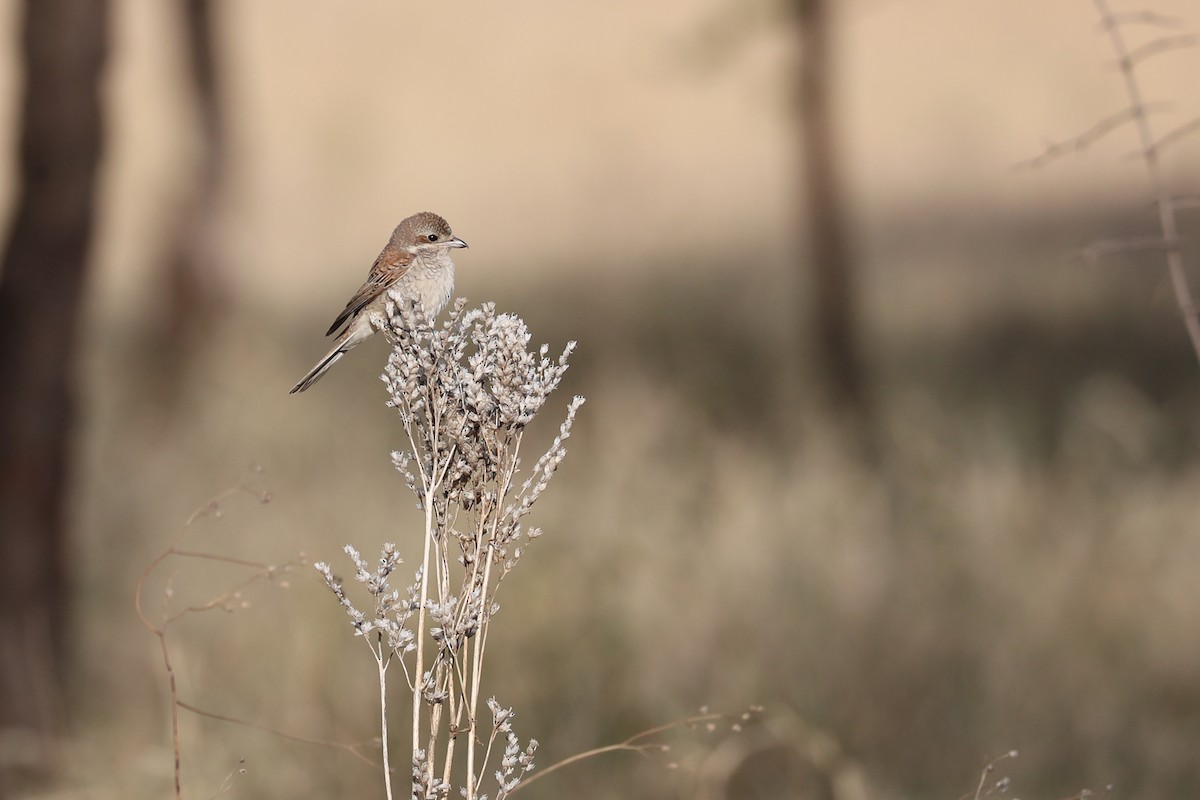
(63, 49)
(194, 276)
(835, 323)
(193, 285)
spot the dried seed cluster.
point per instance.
(465, 391)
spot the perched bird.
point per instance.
(416, 263)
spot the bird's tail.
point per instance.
(321, 368)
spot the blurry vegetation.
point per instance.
(1016, 578)
(1014, 570)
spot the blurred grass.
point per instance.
(1018, 572)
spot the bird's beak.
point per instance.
(456, 242)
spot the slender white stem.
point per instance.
(419, 671)
(449, 763)
(487, 754)
(477, 672)
(383, 726)
(435, 717)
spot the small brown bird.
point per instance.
(416, 263)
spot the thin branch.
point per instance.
(213, 506)
(352, 749)
(1077, 144)
(176, 739)
(159, 629)
(1139, 18)
(1184, 201)
(240, 562)
(1106, 247)
(632, 743)
(1164, 44)
(1166, 211)
(1175, 135)
(223, 600)
(227, 784)
(988, 769)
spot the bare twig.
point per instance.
(1184, 201)
(1140, 18)
(985, 773)
(1106, 247)
(637, 743)
(230, 779)
(263, 572)
(1077, 144)
(1164, 44)
(1138, 112)
(1186, 129)
(355, 749)
(1166, 208)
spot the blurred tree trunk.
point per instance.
(63, 49)
(193, 286)
(835, 317)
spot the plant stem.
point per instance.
(477, 670)
(1166, 211)
(383, 727)
(419, 676)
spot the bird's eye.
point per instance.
(432, 237)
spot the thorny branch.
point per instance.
(1150, 150)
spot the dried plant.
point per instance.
(231, 599)
(465, 392)
(989, 785)
(1150, 149)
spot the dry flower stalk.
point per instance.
(465, 392)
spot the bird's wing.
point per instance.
(388, 268)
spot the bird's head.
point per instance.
(425, 234)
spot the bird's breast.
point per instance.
(431, 282)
